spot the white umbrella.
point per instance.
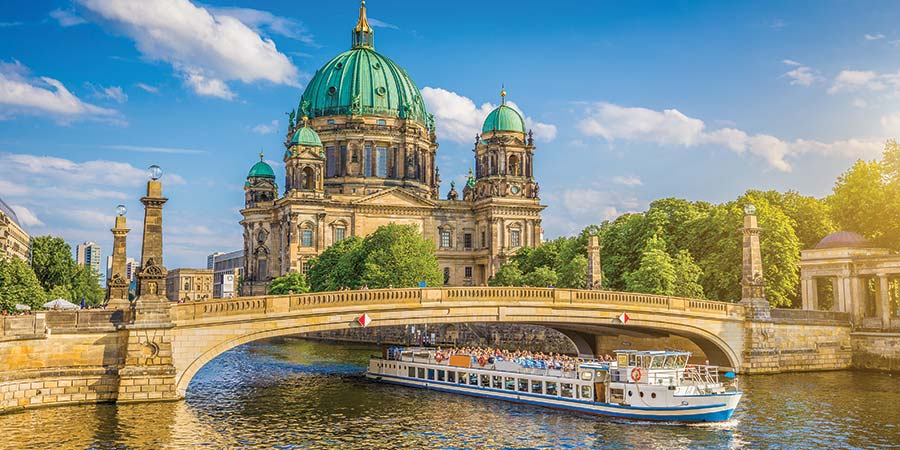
(60, 303)
(21, 307)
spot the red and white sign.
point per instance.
(364, 320)
(623, 318)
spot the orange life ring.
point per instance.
(482, 360)
(438, 357)
(636, 374)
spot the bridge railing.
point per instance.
(289, 303)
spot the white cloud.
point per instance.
(148, 88)
(43, 96)
(855, 80)
(801, 75)
(873, 37)
(114, 93)
(265, 128)
(61, 172)
(673, 128)
(458, 118)
(206, 49)
(382, 24)
(891, 124)
(859, 103)
(66, 18)
(26, 216)
(264, 21)
(628, 180)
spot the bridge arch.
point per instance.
(205, 330)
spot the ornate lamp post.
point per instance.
(118, 282)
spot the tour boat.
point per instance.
(642, 385)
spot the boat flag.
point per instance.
(623, 318)
(364, 320)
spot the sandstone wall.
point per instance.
(877, 351)
(796, 345)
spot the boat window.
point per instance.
(657, 362)
(622, 359)
(565, 390)
(451, 377)
(430, 374)
(421, 372)
(682, 360)
(463, 378)
(473, 379)
(587, 375)
(670, 362)
(551, 388)
(510, 383)
(440, 376)
(586, 393)
(485, 381)
(653, 395)
(523, 385)
(645, 362)
(537, 387)
(412, 372)
(498, 382)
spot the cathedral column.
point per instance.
(883, 306)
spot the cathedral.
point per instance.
(360, 153)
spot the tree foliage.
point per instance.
(291, 283)
(18, 284)
(393, 256)
(52, 261)
(84, 285)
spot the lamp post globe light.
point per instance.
(155, 172)
(750, 209)
(121, 210)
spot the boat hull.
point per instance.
(721, 410)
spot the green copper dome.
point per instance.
(261, 170)
(364, 82)
(504, 118)
(307, 137)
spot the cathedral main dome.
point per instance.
(364, 82)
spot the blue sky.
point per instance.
(630, 101)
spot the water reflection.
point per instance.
(292, 393)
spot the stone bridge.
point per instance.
(61, 357)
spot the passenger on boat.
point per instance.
(525, 358)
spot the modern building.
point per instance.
(130, 268)
(227, 272)
(88, 254)
(211, 260)
(362, 153)
(189, 285)
(14, 241)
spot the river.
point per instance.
(295, 393)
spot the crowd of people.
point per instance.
(525, 358)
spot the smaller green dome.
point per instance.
(261, 169)
(504, 118)
(307, 137)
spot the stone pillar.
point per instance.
(148, 373)
(117, 284)
(883, 306)
(804, 293)
(838, 299)
(595, 273)
(753, 293)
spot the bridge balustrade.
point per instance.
(288, 303)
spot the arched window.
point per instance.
(493, 165)
(309, 179)
(306, 234)
(514, 165)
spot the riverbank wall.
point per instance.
(876, 351)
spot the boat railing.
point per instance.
(703, 377)
(498, 366)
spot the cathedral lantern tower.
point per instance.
(304, 162)
(504, 156)
(260, 189)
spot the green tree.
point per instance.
(291, 283)
(52, 261)
(687, 280)
(541, 277)
(336, 267)
(398, 256)
(85, 285)
(18, 284)
(573, 273)
(507, 275)
(656, 273)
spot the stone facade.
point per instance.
(189, 285)
(14, 241)
(351, 167)
(876, 351)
